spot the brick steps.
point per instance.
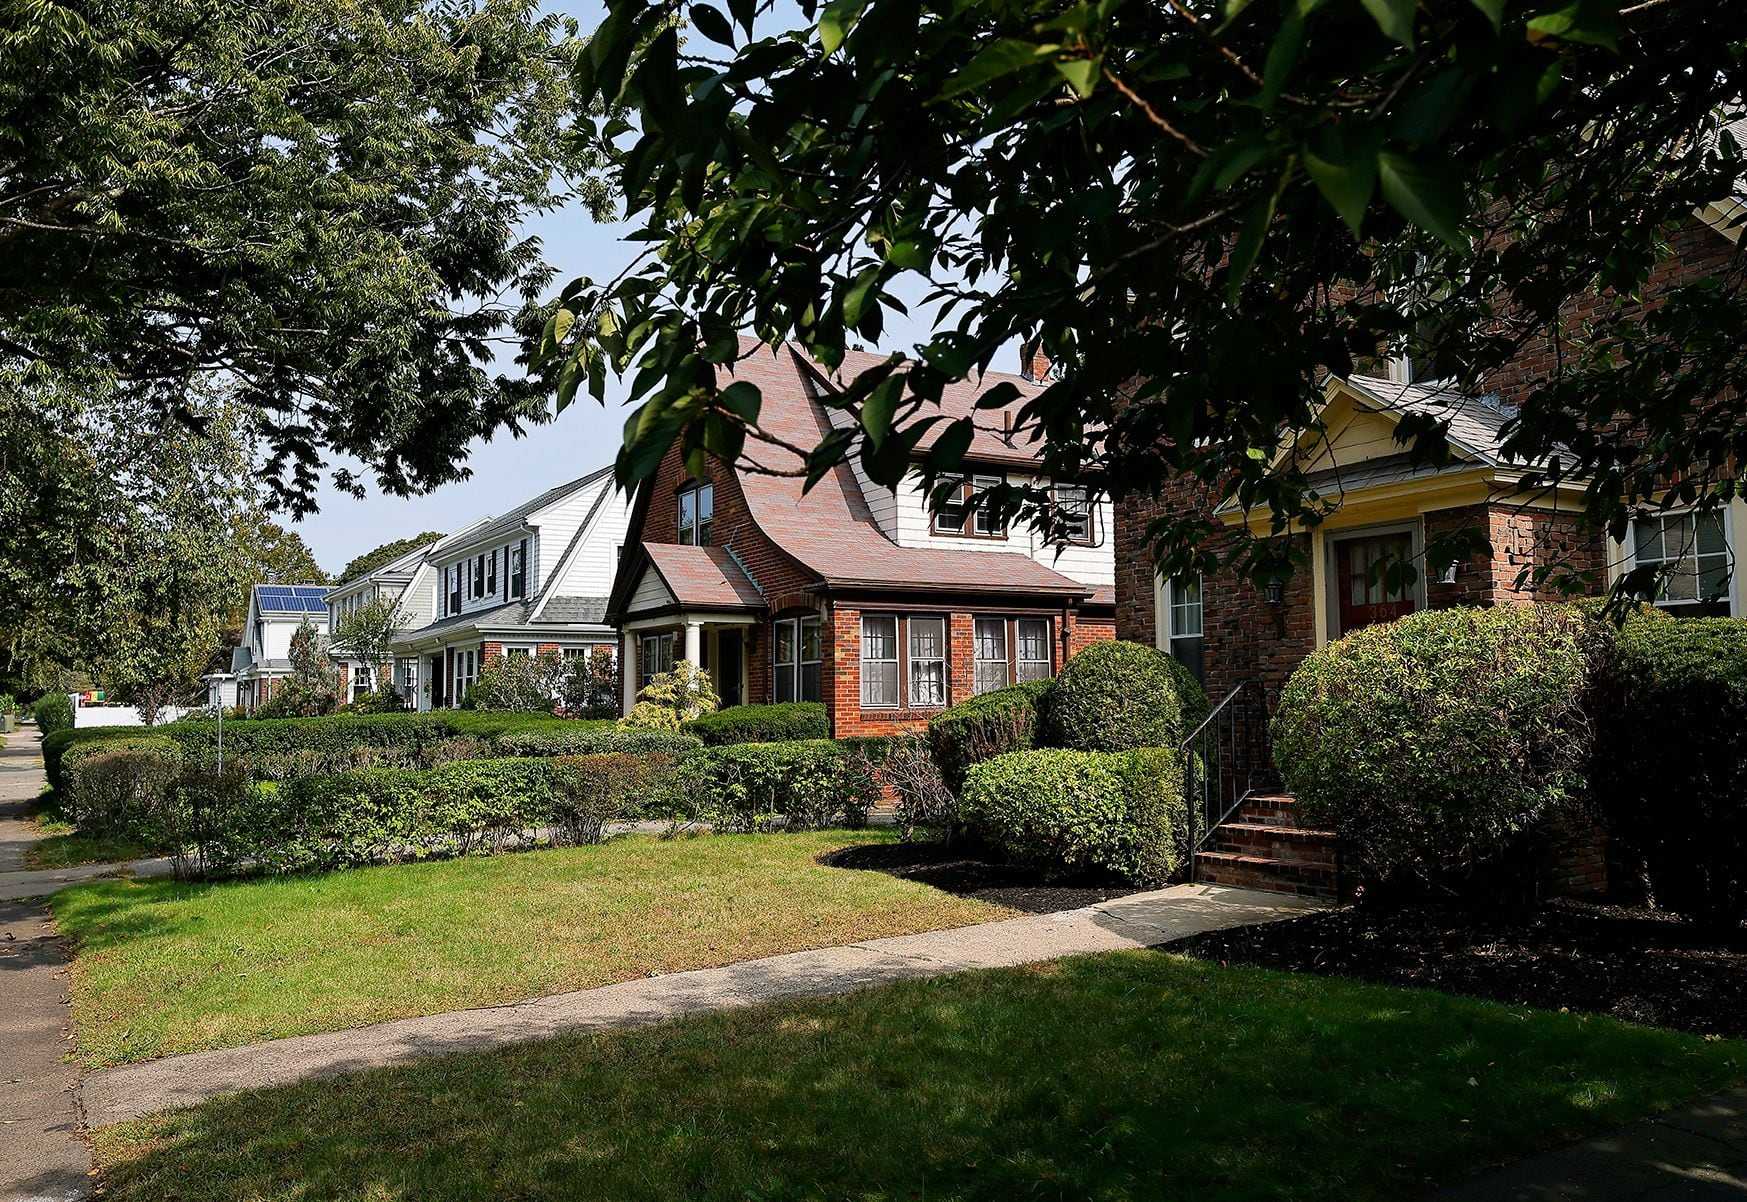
(1263, 847)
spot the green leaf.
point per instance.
(712, 24)
(1282, 57)
(949, 449)
(1249, 244)
(877, 411)
(836, 22)
(999, 58)
(1394, 18)
(1596, 22)
(1425, 194)
(856, 298)
(908, 255)
(1000, 396)
(1345, 177)
(1081, 73)
(742, 399)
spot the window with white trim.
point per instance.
(991, 655)
(697, 510)
(453, 573)
(466, 672)
(656, 657)
(409, 678)
(1074, 504)
(987, 522)
(478, 576)
(1690, 552)
(955, 509)
(1183, 619)
(879, 662)
(491, 574)
(795, 658)
(518, 570)
(1033, 660)
(927, 661)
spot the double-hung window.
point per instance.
(927, 661)
(656, 657)
(454, 573)
(1690, 552)
(795, 659)
(879, 662)
(478, 576)
(1074, 507)
(491, 574)
(518, 570)
(697, 510)
(991, 654)
(1183, 614)
(1033, 660)
(954, 510)
(466, 672)
(987, 522)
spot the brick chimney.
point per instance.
(1034, 364)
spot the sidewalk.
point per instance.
(1140, 920)
(42, 1156)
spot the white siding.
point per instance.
(418, 600)
(651, 593)
(557, 524)
(1094, 565)
(592, 566)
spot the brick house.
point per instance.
(853, 594)
(529, 580)
(1231, 630)
(1235, 633)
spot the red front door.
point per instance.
(1360, 567)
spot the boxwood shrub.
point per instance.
(802, 784)
(118, 786)
(1670, 766)
(762, 723)
(53, 712)
(1117, 696)
(1082, 811)
(984, 726)
(590, 738)
(1433, 743)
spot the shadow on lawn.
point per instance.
(964, 873)
(1129, 1075)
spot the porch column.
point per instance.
(628, 669)
(694, 643)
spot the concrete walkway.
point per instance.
(1141, 920)
(1696, 1154)
(41, 1153)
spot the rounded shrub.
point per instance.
(762, 723)
(982, 727)
(53, 712)
(1670, 767)
(1082, 811)
(1432, 743)
(1116, 696)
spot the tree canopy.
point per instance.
(387, 553)
(320, 201)
(1196, 208)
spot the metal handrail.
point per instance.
(1223, 759)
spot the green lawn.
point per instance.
(1127, 1076)
(162, 967)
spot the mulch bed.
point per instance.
(1634, 964)
(962, 873)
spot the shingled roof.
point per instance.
(703, 577)
(828, 530)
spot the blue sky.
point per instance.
(508, 470)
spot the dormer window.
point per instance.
(697, 509)
(963, 512)
(1075, 510)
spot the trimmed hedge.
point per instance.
(984, 726)
(1431, 744)
(53, 712)
(804, 784)
(1670, 767)
(1118, 696)
(1083, 811)
(288, 748)
(119, 786)
(762, 723)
